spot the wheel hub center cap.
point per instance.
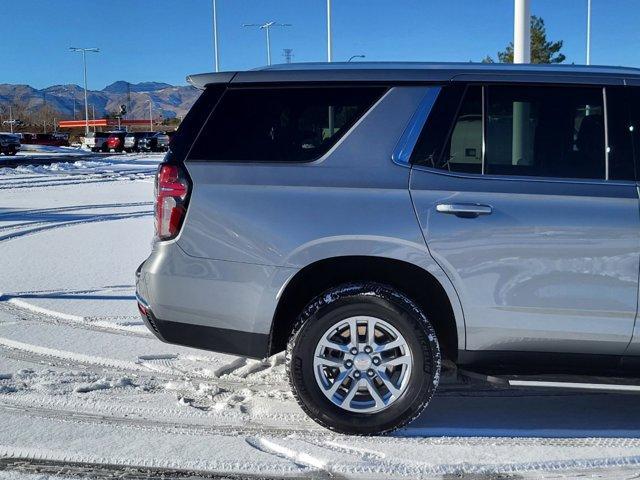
(362, 361)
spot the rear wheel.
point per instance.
(363, 359)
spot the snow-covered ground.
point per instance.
(85, 390)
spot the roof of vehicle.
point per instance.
(424, 72)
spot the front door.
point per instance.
(531, 209)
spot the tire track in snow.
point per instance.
(109, 471)
(318, 467)
(246, 428)
(94, 219)
(71, 208)
(39, 354)
(25, 311)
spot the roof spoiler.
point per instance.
(201, 80)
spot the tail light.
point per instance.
(172, 192)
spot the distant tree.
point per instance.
(542, 50)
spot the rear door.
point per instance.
(631, 98)
(530, 206)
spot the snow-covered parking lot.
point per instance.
(86, 391)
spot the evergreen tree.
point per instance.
(542, 50)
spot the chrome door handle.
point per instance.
(466, 210)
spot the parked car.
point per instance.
(132, 139)
(9, 143)
(157, 142)
(115, 141)
(48, 139)
(375, 221)
(96, 141)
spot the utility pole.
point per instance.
(329, 40)
(287, 54)
(84, 62)
(521, 32)
(93, 111)
(521, 54)
(588, 32)
(150, 116)
(267, 27)
(10, 118)
(215, 36)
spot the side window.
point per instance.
(463, 150)
(621, 102)
(292, 124)
(545, 131)
(435, 132)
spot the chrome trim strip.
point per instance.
(142, 302)
(524, 178)
(484, 125)
(606, 134)
(402, 153)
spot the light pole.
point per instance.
(267, 27)
(84, 61)
(150, 115)
(215, 36)
(355, 56)
(521, 32)
(588, 32)
(521, 54)
(329, 44)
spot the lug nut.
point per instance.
(376, 361)
(348, 363)
(370, 372)
(368, 349)
(356, 374)
(354, 351)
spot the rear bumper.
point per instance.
(235, 342)
(209, 304)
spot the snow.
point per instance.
(86, 390)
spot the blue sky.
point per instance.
(163, 40)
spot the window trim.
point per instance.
(524, 178)
(606, 133)
(407, 143)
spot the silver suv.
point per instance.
(374, 220)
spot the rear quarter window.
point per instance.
(294, 124)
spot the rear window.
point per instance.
(281, 124)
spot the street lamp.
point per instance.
(215, 36)
(329, 40)
(84, 61)
(588, 32)
(355, 56)
(521, 32)
(266, 27)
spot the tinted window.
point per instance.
(428, 149)
(463, 150)
(545, 131)
(620, 105)
(532, 131)
(193, 122)
(281, 124)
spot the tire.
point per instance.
(360, 413)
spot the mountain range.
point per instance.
(169, 101)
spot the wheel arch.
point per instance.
(432, 294)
